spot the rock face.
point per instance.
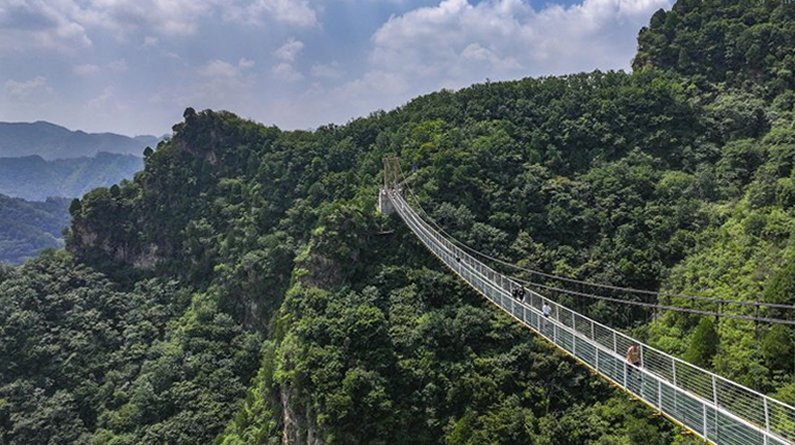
(86, 242)
(322, 271)
(298, 429)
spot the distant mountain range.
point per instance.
(52, 141)
(35, 179)
(27, 228)
(42, 167)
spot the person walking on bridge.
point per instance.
(633, 361)
(546, 311)
(518, 293)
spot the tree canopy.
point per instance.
(243, 288)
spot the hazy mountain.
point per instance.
(27, 228)
(35, 179)
(52, 141)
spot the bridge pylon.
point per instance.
(391, 172)
(391, 181)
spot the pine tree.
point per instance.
(777, 348)
(704, 344)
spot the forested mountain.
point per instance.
(744, 44)
(27, 228)
(52, 141)
(243, 288)
(34, 179)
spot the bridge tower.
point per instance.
(391, 180)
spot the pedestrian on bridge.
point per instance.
(546, 309)
(518, 293)
(633, 360)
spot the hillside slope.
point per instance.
(738, 56)
(27, 228)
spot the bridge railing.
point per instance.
(715, 408)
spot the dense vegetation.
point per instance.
(243, 289)
(744, 44)
(27, 228)
(34, 179)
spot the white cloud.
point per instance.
(105, 100)
(166, 17)
(293, 12)
(245, 63)
(118, 65)
(322, 71)
(288, 53)
(66, 24)
(360, 90)
(85, 70)
(286, 71)
(478, 53)
(22, 89)
(222, 84)
(222, 69)
(218, 68)
(458, 43)
(150, 41)
(289, 50)
(39, 24)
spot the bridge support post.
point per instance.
(574, 334)
(767, 421)
(715, 401)
(625, 375)
(384, 204)
(597, 358)
(659, 395)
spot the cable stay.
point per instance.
(659, 295)
(715, 408)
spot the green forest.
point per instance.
(27, 228)
(243, 289)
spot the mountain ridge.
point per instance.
(35, 178)
(52, 141)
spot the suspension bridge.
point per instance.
(714, 408)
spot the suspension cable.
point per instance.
(530, 284)
(654, 305)
(474, 251)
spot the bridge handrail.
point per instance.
(717, 409)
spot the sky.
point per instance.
(132, 67)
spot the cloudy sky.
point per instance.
(133, 66)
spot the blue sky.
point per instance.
(133, 66)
